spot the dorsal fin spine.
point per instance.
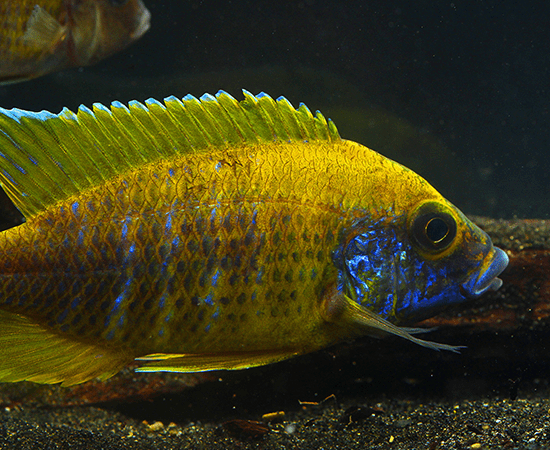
(204, 122)
(186, 124)
(257, 118)
(158, 134)
(238, 117)
(231, 134)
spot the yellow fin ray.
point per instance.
(46, 158)
(42, 30)
(204, 362)
(351, 314)
(31, 352)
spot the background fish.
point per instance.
(42, 36)
(201, 235)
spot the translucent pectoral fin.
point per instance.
(204, 362)
(31, 352)
(350, 313)
(43, 31)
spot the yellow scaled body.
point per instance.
(200, 236)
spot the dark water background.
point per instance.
(455, 90)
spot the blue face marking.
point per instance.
(382, 271)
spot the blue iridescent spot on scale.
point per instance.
(215, 278)
(162, 300)
(175, 241)
(125, 229)
(74, 208)
(168, 226)
(80, 238)
(216, 313)
(61, 317)
(209, 300)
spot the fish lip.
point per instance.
(143, 25)
(487, 277)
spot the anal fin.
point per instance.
(29, 351)
(204, 362)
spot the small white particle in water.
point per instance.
(290, 428)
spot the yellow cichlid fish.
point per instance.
(42, 36)
(211, 234)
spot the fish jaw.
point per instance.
(143, 24)
(486, 277)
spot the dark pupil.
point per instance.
(436, 229)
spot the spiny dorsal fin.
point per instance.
(46, 158)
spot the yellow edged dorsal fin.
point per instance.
(45, 157)
(31, 352)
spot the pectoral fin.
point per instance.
(43, 31)
(349, 313)
(204, 362)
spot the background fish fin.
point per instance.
(30, 352)
(197, 362)
(46, 158)
(42, 30)
(353, 314)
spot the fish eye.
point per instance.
(433, 229)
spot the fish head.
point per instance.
(104, 27)
(410, 266)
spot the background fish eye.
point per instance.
(432, 229)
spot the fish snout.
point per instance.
(143, 23)
(486, 278)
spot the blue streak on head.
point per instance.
(385, 274)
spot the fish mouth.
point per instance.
(143, 24)
(487, 275)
